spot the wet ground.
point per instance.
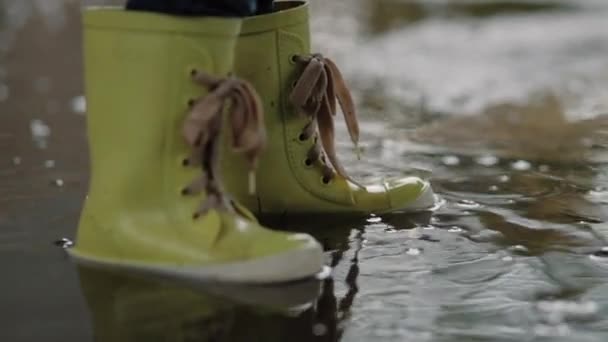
(501, 101)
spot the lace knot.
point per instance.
(202, 129)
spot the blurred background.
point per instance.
(501, 102)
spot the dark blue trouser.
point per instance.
(230, 8)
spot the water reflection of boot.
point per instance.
(128, 309)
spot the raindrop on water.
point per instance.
(450, 160)
(504, 178)
(455, 229)
(487, 160)
(40, 132)
(521, 165)
(79, 104)
(413, 251)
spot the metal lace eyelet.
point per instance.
(293, 59)
(193, 72)
(185, 162)
(185, 192)
(308, 162)
(326, 180)
(191, 102)
(302, 137)
(196, 216)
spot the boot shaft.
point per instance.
(263, 56)
(138, 84)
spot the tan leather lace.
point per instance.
(315, 93)
(203, 126)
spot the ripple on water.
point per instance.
(501, 189)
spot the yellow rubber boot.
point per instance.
(299, 171)
(153, 134)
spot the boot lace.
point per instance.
(202, 129)
(315, 93)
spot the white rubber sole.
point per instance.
(290, 266)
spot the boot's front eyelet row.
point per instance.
(325, 180)
(308, 162)
(302, 137)
(293, 59)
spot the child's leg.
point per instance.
(228, 8)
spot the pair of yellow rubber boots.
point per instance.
(173, 104)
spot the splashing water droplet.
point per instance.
(487, 160)
(521, 165)
(504, 178)
(450, 160)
